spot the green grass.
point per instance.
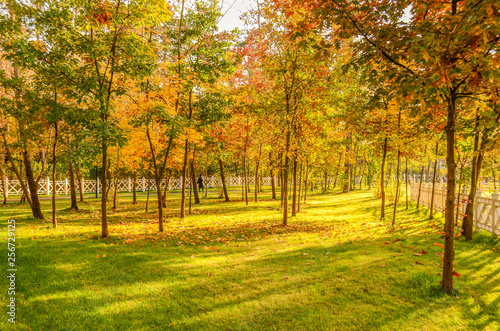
(229, 266)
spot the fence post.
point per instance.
(82, 185)
(48, 185)
(129, 184)
(65, 186)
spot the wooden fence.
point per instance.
(124, 185)
(486, 207)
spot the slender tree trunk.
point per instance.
(134, 189)
(149, 190)
(337, 170)
(223, 179)
(294, 196)
(54, 160)
(347, 166)
(420, 185)
(431, 212)
(449, 246)
(104, 198)
(190, 194)
(246, 179)
(183, 181)
(396, 198)
(257, 176)
(194, 184)
(406, 181)
(72, 187)
(305, 183)
(159, 197)
(285, 179)
(477, 163)
(35, 203)
(382, 179)
(300, 187)
(115, 191)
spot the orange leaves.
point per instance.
(439, 245)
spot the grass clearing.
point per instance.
(229, 266)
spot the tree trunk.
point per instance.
(246, 178)
(382, 179)
(149, 190)
(194, 184)
(159, 197)
(35, 203)
(104, 198)
(54, 159)
(183, 181)
(431, 212)
(72, 187)
(347, 166)
(285, 179)
(223, 180)
(477, 164)
(406, 181)
(134, 189)
(305, 183)
(396, 198)
(337, 171)
(300, 187)
(449, 249)
(294, 196)
(420, 185)
(115, 191)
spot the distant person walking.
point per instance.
(200, 184)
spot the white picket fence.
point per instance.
(124, 185)
(486, 208)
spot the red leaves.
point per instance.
(455, 274)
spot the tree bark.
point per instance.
(104, 198)
(72, 187)
(382, 179)
(134, 189)
(183, 181)
(420, 185)
(35, 203)
(194, 184)
(300, 187)
(294, 196)
(477, 164)
(431, 211)
(285, 179)
(396, 198)
(246, 178)
(449, 249)
(54, 159)
(406, 181)
(223, 179)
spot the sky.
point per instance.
(234, 8)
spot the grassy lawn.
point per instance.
(229, 266)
